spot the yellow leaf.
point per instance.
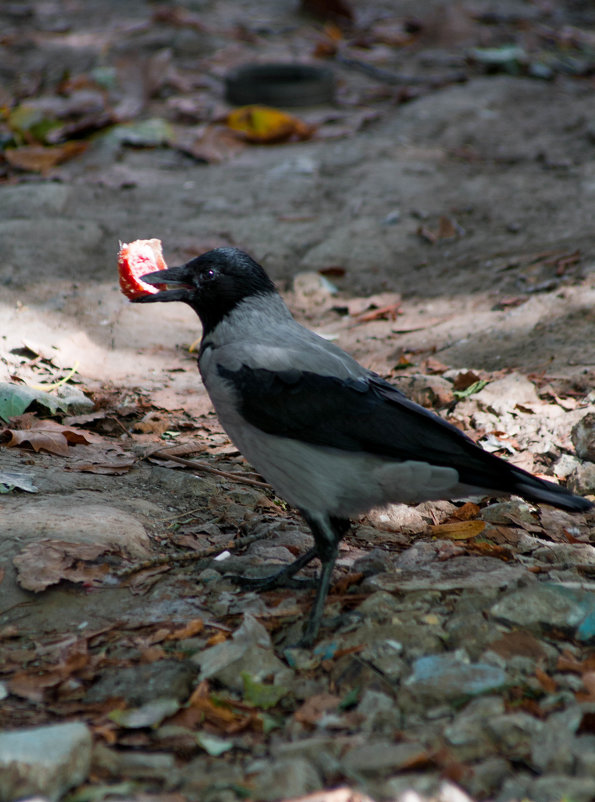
(460, 530)
(266, 125)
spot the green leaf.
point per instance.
(261, 695)
(473, 388)
(16, 398)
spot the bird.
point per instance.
(333, 438)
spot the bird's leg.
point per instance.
(327, 534)
(282, 578)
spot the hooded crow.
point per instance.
(333, 438)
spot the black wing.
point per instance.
(370, 415)
(364, 415)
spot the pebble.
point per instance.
(582, 481)
(143, 684)
(44, 760)
(439, 677)
(295, 776)
(545, 606)
(583, 437)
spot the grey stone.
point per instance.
(544, 606)
(285, 778)
(459, 572)
(441, 677)
(506, 512)
(553, 746)
(247, 651)
(582, 481)
(381, 714)
(144, 683)
(515, 787)
(467, 734)
(583, 437)
(488, 777)
(502, 395)
(556, 787)
(382, 757)
(514, 733)
(584, 751)
(76, 401)
(145, 765)
(44, 760)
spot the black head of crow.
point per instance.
(333, 438)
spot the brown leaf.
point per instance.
(465, 379)
(191, 629)
(47, 562)
(39, 159)
(459, 530)
(315, 707)
(44, 435)
(108, 459)
(548, 683)
(467, 512)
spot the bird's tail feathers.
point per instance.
(539, 490)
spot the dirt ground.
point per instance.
(438, 225)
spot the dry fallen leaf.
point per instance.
(459, 530)
(47, 562)
(108, 459)
(40, 159)
(43, 435)
(315, 707)
(264, 125)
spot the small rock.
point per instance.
(429, 391)
(507, 512)
(374, 562)
(144, 683)
(383, 757)
(488, 776)
(285, 778)
(76, 401)
(545, 606)
(125, 763)
(379, 712)
(467, 734)
(502, 395)
(398, 518)
(249, 650)
(582, 481)
(583, 437)
(379, 606)
(555, 787)
(565, 465)
(44, 760)
(480, 573)
(441, 677)
(552, 748)
(513, 734)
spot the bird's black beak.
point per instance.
(177, 281)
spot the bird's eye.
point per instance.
(210, 273)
